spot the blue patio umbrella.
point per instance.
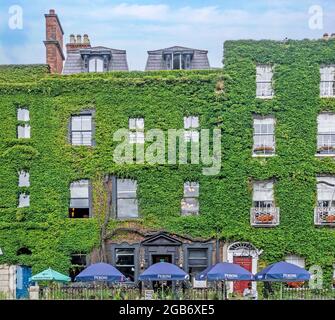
(102, 272)
(283, 272)
(225, 271)
(163, 271)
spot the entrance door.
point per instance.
(23, 273)
(161, 258)
(246, 263)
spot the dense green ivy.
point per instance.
(224, 99)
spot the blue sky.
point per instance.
(141, 25)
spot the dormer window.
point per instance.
(96, 65)
(177, 60)
(96, 59)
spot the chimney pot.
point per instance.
(325, 36)
(86, 39)
(78, 42)
(52, 11)
(72, 38)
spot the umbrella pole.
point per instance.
(281, 291)
(162, 290)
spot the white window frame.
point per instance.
(327, 81)
(96, 65)
(127, 195)
(23, 114)
(80, 184)
(184, 60)
(325, 193)
(264, 81)
(136, 131)
(263, 194)
(326, 134)
(191, 194)
(24, 200)
(85, 135)
(191, 129)
(296, 260)
(24, 179)
(23, 129)
(264, 149)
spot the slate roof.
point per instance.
(75, 64)
(156, 61)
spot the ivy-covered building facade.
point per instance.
(65, 202)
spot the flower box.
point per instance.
(295, 284)
(263, 150)
(326, 149)
(330, 219)
(265, 218)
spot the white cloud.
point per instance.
(138, 27)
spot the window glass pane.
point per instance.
(77, 138)
(24, 200)
(86, 138)
(96, 65)
(127, 208)
(132, 137)
(139, 137)
(264, 73)
(176, 61)
(125, 257)
(86, 123)
(195, 122)
(79, 203)
(24, 179)
(78, 259)
(23, 132)
(296, 260)
(263, 191)
(80, 189)
(191, 122)
(23, 114)
(126, 188)
(168, 61)
(76, 123)
(100, 65)
(132, 123)
(327, 73)
(191, 189)
(326, 123)
(91, 66)
(191, 136)
(190, 206)
(326, 191)
(187, 61)
(140, 123)
(197, 253)
(187, 122)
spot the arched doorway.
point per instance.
(246, 255)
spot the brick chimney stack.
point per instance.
(78, 42)
(54, 42)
